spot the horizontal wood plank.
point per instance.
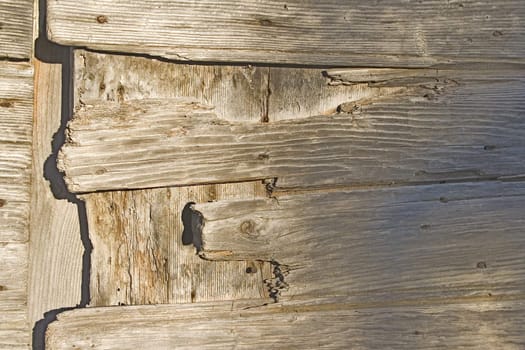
(16, 117)
(335, 32)
(387, 244)
(294, 325)
(459, 125)
(16, 29)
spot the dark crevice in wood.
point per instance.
(193, 222)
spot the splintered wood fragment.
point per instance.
(138, 256)
(445, 129)
(335, 32)
(16, 28)
(390, 244)
(294, 325)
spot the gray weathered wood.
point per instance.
(14, 328)
(16, 29)
(386, 243)
(335, 32)
(16, 97)
(138, 256)
(16, 108)
(55, 248)
(237, 92)
(462, 125)
(294, 325)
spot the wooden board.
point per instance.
(14, 327)
(333, 32)
(484, 325)
(237, 92)
(16, 98)
(16, 101)
(139, 257)
(447, 128)
(56, 249)
(397, 243)
(16, 29)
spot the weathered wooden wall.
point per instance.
(378, 207)
(16, 108)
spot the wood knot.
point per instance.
(248, 227)
(2, 202)
(102, 19)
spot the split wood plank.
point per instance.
(387, 244)
(229, 325)
(16, 113)
(459, 125)
(333, 32)
(16, 29)
(138, 257)
(56, 250)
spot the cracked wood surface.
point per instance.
(16, 29)
(16, 98)
(138, 256)
(382, 245)
(455, 125)
(334, 32)
(487, 324)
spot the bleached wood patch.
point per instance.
(457, 125)
(292, 325)
(335, 32)
(138, 253)
(16, 29)
(16, 108)
(412, 242)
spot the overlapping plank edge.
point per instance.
(16, 98)
(334, 32)
(447, 125)
(391, 243)
(291, 324)
(16, 29)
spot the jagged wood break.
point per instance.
(445, 127)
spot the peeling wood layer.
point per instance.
(16, 29)
(237, 92)
(404, 243)
(334, 32)
(235, 325)
(138, 256)
(449, 128)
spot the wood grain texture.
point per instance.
(14, 328)
(237, 92)
(16, 98)
(485, 325)
(333, 32)
(386, 243)
(55, 241)
(462, 125)
(16, 29)
(138, 256)
(16, 101)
